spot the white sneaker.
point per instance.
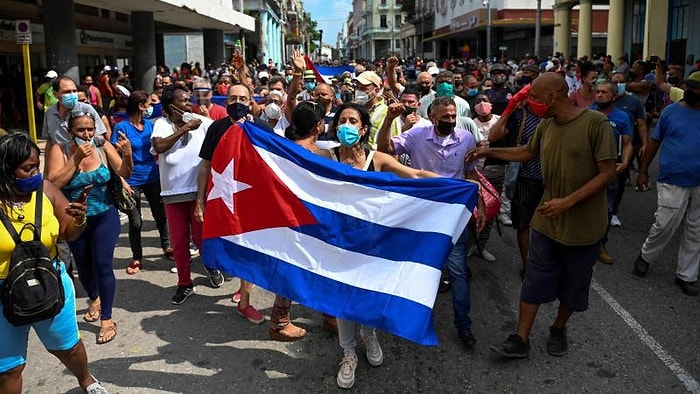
(504, 219)
(615, 221)
(486, 255)
(346, 374)
(173, 270)
(375, 356)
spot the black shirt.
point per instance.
(217, 130)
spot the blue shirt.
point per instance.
(678, 131)
(620, 123)
(145, 168)
(635, 110)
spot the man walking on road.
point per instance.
(677, 133)
(577, 152)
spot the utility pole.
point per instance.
(487, 3)
(538, 27)
(320, 44)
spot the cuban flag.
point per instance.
(364, 246)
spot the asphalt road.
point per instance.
(640, 335)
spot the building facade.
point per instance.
(374, 29)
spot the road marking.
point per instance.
(688, 381)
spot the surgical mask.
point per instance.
(572, 73)
(621, 88)
(309, 85)
(348, 135)
(289, 78)
(237, 110)
(28, 185)
(222, 90)
(444, 89)
(445, 128)
(361, 97)
(471, 92)
(273, 111)
(522, 81)
(691, 97)
(188, 117)
(537, 108)
(69, 100)
(483, 108)
(148, 112)
(79, 141)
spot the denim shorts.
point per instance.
(557, 271)
(59, 333)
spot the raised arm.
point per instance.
(394, 85)
(384, 142)
(293, 90)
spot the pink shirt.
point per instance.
(430, 152)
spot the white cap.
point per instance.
(107, 68)
(51, 74)
(433, 71)
(263, 74)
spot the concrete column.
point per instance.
(655, 28)
(143, 33)
(562, 29)
(59, 33)
(160, 50)
(213, 46)
(616, 22)
(585, 28)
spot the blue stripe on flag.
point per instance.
(392, 243)
(396, 315)
(437, 189)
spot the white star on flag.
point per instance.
(225, 186)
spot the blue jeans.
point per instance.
(457, 270)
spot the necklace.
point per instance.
(19, 207)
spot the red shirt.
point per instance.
(216, 111)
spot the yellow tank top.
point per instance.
(49, 230)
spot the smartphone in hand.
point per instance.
(84, 194)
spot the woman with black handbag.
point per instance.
(85, 163)
(20, 181)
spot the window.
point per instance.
(679, 14)
(397, 21)
(638, 16)
(382, 2)
(121, 17)
(382, 21)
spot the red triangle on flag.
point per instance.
(245, 194)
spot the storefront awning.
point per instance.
(195, 15)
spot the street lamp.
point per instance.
(391, 38)
(320, 44)
(487, 3)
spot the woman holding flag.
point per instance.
(351, 126)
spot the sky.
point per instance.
(330, 15)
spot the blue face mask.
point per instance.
(288, 78)
(157, 111)
(621, 88)
(444, 89)
(348, 135)
(69, 100)
(28, 185)
(310, 86)
(79, 141)
(471, 92)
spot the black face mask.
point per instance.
(408, 111)
(691, 97)
(423, 90)
(673, 80)
(604, 105)
(445, 128)
(237, 110)
(522, 81)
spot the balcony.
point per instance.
(383, 5)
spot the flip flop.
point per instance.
(102, 336)
(133, 268)
(91, 316)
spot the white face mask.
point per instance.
(188, 116)
(273, 111)
(361, 97)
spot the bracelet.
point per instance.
(81, 223)
(297, 74)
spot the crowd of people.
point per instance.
(557, 138)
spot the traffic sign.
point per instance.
(23, 29)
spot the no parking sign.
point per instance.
(23, 28)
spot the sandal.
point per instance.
(92, 316)
(134, 267)
(103, 336)
(169, 254)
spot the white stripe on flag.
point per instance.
(413, 281)
(368, 203)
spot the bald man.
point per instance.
(577, 151)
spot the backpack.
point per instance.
(33, 290)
